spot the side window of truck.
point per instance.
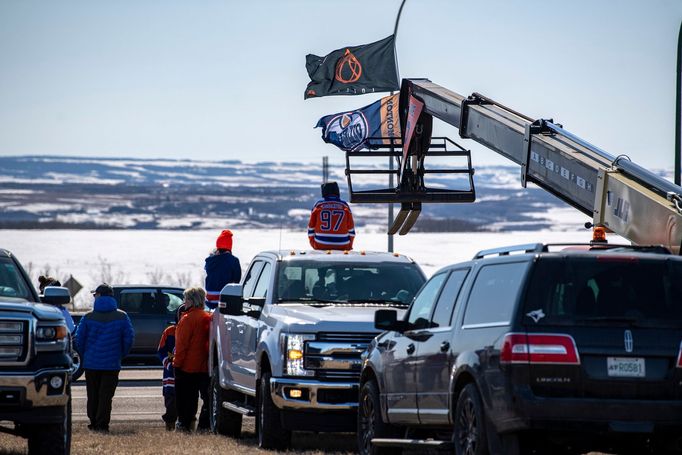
(263, 281)
(446, 302)
(420, 311)
(493, 295)
(251, 277)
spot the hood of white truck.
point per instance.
(329, 318)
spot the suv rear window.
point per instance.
(348, 282)
(605, 289)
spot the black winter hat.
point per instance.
(104, 289)
(330, 189)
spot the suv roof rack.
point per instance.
(506, 250)
(591, 246)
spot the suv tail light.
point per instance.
(539, 348)
(679, 357)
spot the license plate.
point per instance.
(625, 367)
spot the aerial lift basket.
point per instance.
(415, 181)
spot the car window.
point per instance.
(251, 277)
(171, 300)
(492, 297)
(263, 281)
(420, 311)
(141, 301)
(590, 290)
(12, 282)
(384, 282)
(446, 302)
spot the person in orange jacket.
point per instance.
(331, 225)
(191, 361)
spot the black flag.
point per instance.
(353, 70)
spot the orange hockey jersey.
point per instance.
(331, 225)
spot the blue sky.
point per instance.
(225, 79)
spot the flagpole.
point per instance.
(678, 111)
(395, 37)
(390, 158)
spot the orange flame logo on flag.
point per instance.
(348, 68)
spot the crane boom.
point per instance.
(617, 193)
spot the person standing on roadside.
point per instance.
(46, 281)
(222, 267)
(191, 361)
(103, 337)
(166, 352)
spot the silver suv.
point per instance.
(286, 343)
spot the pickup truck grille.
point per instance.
(14, 341)
(347, 337)
(337, 356)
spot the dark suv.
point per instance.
(578, 348)
(151, 309)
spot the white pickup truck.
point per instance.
(286, 343)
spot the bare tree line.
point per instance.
(106, 272)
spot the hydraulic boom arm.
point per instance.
(615, 192)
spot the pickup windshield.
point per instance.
(335, 282)
(605, 290)
(12, 283)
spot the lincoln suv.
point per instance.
(570, 348)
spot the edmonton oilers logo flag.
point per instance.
(373, 124)
(353, 70)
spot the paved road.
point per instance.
(138, 397)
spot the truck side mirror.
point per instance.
(55, 295)
(231, 300)
(255, 306)
(388, 320)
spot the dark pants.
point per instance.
(188, 387)
(100, 386)
(171, 414)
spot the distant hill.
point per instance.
(96, 193)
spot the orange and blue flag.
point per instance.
(371, 125)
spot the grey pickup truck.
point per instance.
(286, 343)
(35, 362)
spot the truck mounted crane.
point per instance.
(618, 194)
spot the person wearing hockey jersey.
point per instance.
(222, 267)
(166, 352)
(331, 224)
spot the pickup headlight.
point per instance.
(293, 354)
(51, 337)
(51, 333)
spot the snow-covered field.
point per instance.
(177, 257)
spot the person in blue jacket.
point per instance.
(103, 337)
(45, 281)
(222, 267)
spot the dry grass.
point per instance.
(147, 438)
(153, 439)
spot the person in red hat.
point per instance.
(222, 267)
